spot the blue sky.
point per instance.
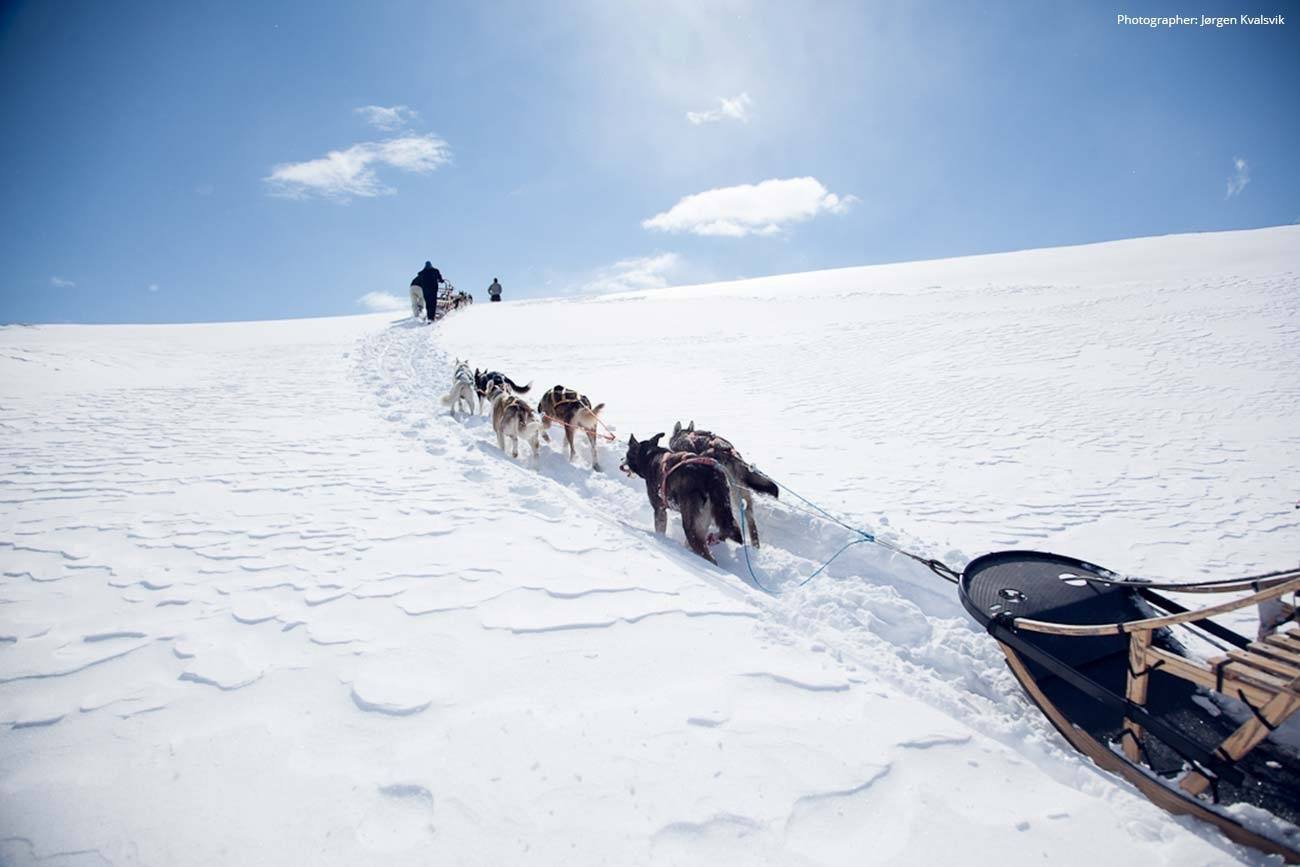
(168, 162)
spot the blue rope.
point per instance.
(866, 537)
(832, 560)
(744, 544)
(935, 566)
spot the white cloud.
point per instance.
(750, 209)
(1239, 178)
(351, 172)
(388, 118)
(735, 108)
(60, 283)
(626, 275)
(384, 302)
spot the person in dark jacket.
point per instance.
(426, 283)
(494, 291)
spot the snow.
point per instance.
(266, 602)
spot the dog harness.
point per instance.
(565, 397)
(683, 461)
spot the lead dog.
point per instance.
(695, 486)
(485, 378)
(513, 418)
(709, 444)
(462, 389)
(575, 412)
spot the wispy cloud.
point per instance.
(153, 287)
(1239, 178)
(735, 108)
(60, 283)
(351, 172)
(387, 118)
(750, 209)
(626, 275)
(383, 302)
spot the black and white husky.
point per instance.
(462, 389)
(485, 379)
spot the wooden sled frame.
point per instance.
(1263, 674)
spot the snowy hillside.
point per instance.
(265, 602)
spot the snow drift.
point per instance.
(266, 602)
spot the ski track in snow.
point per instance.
(255, 577)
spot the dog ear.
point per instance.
(631, 441)
(677, 428)
(692, 427)
(654, 440)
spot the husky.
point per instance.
(462, 389)
(709, 444)
(696, 486)
(575, 412)
(513, 418)
(485, 378)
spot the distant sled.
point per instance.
(1100, 658)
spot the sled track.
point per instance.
(886, 617)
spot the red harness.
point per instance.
(607, 437)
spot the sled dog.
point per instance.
(485, 378)
(709, 444)
(575, 412)
(694, 485)
(462, 389)
(513, 419)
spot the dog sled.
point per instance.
(1110, 662)
(449, 299)
(446, 300)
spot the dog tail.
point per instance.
(520, 389)
(756, 481)
(446, 399)
(595, 410)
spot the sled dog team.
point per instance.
(699, 474)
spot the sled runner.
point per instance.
(1106, 661)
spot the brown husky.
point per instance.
(575, 412)
(512, 418)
